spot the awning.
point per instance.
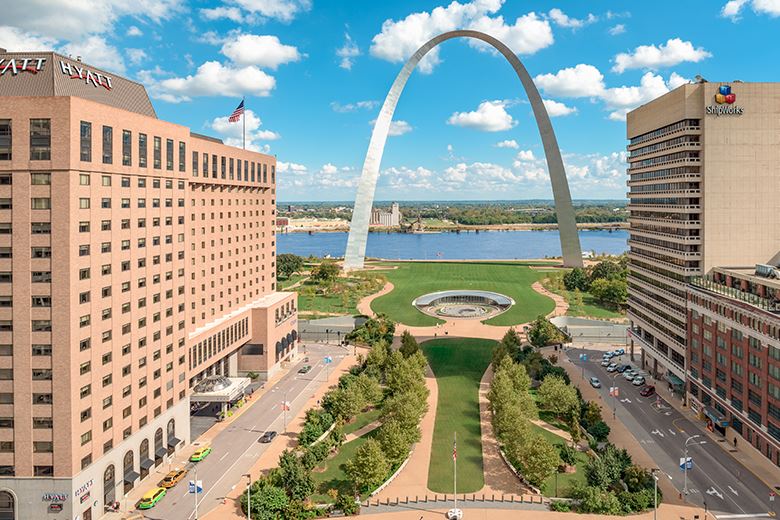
(160, 452)
(147, 463)
(716, 417)
(672, 378)
(173, 442)
(131, 477)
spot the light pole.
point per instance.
(685, 462)
(248, 496)
(655, 493)
(196, 492)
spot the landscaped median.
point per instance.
(325, 473)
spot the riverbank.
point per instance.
(342, 227)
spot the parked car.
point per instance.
(647, 391)
(268, 437)
(304, 369)
(638, 381)
(620, 352)
(605, 362)
(200, 454)
(612, 367)
(595, 383)
(151, 498)
(609, 354)
(629, 374)
(173, 478)
(623, 368)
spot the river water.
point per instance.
(501, 245)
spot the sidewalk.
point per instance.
(665, 512)
(745, 454)
(229, 509)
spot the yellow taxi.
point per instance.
(200, 454)
(151, 498)
(173, 478)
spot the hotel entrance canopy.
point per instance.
(219, 389)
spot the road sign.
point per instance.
(285, 406)
(771, 496)
(193, 484)
(683, 464)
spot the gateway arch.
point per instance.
(358, 231)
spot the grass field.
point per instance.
(565, 480)
(458, 365)
(339, 298)
(589, 308)
(287, 282)
(333, 476)
(363, 419)
(414, 279)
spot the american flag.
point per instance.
(237, 113)
(454, 450)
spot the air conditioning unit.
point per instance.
(767, 271)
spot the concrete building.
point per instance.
(383, 218)
(704, 187)
(136, 258)
(734, 355)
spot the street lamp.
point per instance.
(685, 461)
(655, 493)
(248, 496)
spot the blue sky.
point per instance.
(314, 73)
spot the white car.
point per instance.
(629, 374)
(638, 381)
(612, 367)
(605, 362)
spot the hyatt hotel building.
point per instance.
(136, 258)
(704, 202)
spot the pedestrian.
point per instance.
(735, 442)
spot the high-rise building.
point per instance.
(704, 187)
(392, 218)
(136, 258)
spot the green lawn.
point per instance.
(458, 365)
(565, 480)
(414, 279)
(341, 297)
(361, 420)
(589, 308)
(333, 477)
(287, 282)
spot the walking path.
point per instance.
(484, 512)
(362, 431)
(364, 305)
(552, 429)
(561, 305)
(230, 509)
(499, 478)
(413, 480)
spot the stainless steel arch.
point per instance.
(358, 231)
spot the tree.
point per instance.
(293, 475)
(538, 459)
(568, 454)
(558, 397)
(346, 504)
(600, 431)
(605, 470)
(607, 270)
(369, 467)
(268, 501)
(542, 333)
(576, 279)
(288, 264)
(512, 342)
(612, 293)
(373, 331)
(407, 408)
(395, 440)
(577, 297)
(590, 413)
(409, 344)
(344, 402)
(369, 388)
(326, 272)
(595, 500)
(402, 373)
(637, 478)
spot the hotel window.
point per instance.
(231, 168)
(253, 172)
(40, 179)
(86, 141)
(246, 170)
(157, 153)
(45, 252)
(41, 203)
(40, 139)
(6, 204)
(42, 228)
(142, 150)
(108, 145)
(127, 147)
(5, 139)
(169, 154)
(182, 156)
(273, 173)
(224, 166)
(195, 164)
(265, 173)
(214, 166)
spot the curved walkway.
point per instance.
(499, 479)
(364, 305)
(561, 305)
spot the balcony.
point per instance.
(656, 331)
(681, 270)
(672, 177)
(666, 222)
(664, 208)
(707, 284)
(663, 149)
(686, 130)
(665, 360)
(674, 253)
(679, 300)
(695, 193)
(660, 306)
(671, 237)
(681, 161)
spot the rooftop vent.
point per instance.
(767, 271)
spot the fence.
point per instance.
(466, 498)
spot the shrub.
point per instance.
(600, 431)
(636, 502)
(346, 504)
(560, 506)
(568, 454)
(595, 500)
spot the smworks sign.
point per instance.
(96, 79)
(725, 100)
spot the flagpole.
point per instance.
(455, 465)
(243, 119)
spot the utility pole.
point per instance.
(248, 496)
(685, 463)
(655, 493)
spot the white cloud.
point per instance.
(229, 13)
(329, 169)
(215, 79)
(617, 29)
(397, 127)
(626, 98)
(579, 81)
(348, 52)
(282, 10)
(563, 20)
(733, 8)
(136, 56)
(96, 51)
(259, 50)
(490, 116)
(14, 39)
(557, 109)
(353, 107)
(508, 143)
(283, 167)
(525, 155)
(398, 40)
(232, 132)
(673, 52)
(134, 31)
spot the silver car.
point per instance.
(612, 367)
(629, 374)
(605, 362)
(638, 381)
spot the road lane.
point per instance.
(717, 479)
(236, 449)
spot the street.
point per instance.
(236, 449)
(716, 481)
